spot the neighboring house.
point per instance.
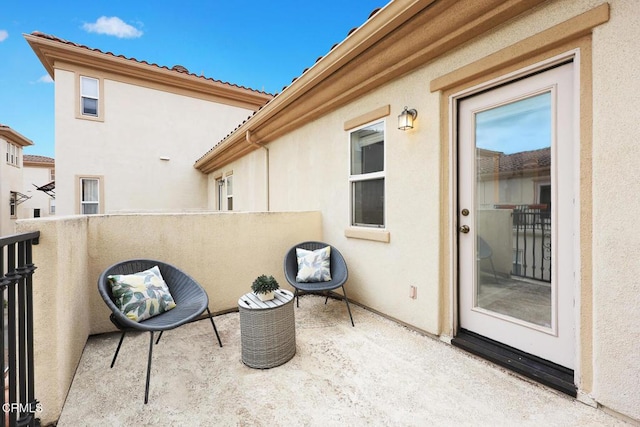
(39, 184)
(403, 205)
(127, 131)
(11, 176)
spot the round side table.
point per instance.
(267, 329)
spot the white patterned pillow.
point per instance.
(314, 266)
(141, 295)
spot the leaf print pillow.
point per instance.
(314, 266)
(141, 295)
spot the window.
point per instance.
(89, 196)
(13, 154)
(36, 213)
(229, 195)
(52, 206)
(225, 193)
(52, 174)
(367, 176)
(89, 96)
(12, 204)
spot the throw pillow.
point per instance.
(141, 295)
(314, 266)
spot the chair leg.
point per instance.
(115, 356)
(295, 295)
(214, 326)
(146, 389)
(494, 270)
(327, 298)
(159, 336)
(344, 291)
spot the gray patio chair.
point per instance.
(190, 298)
(485, 252)
(338, 267)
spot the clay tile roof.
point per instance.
(176, 68)
(34, 158)
(516, 162)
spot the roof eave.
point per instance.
(50, 52)
(402, 36)
(11, 135)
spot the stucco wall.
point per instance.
(140, 126)
(309, 169)
(616, 185)
(224, 252)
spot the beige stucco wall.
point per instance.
(309, 170)
(224, 252)
(140, 126)
(616, 185)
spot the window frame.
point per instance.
(228, 181)
(224, 192)
(13, 154)
(82, 203)
(80, 95)
(369, 176)
(13, 205)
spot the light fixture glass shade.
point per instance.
(406, 118)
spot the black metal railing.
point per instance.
(19, 406)
(532, 242)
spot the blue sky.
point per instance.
(258, 44)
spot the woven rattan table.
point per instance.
(267, 330)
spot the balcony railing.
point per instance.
(19, 405)
(531, 241)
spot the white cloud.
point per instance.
(45, 79)
(3, 35)
(113, 26)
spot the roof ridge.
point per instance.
(176, 68)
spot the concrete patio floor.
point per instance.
(377, 373)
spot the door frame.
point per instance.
(453, 100)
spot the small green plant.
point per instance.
(264, 284)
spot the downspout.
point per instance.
(248, 137)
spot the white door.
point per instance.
(516, 196)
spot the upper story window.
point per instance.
(89, 96)
(13, 154)
(367, 176)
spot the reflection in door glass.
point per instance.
(513, 206)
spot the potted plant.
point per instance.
(264, 286)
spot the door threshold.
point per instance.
(548, 373)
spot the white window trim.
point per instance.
(13, 154)
(13, 205)
(100, 201)
(367, 177)
(79, 95)
(222, 192)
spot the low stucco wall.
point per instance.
(223, 251)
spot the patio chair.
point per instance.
(485, 252)
(338, 268)
(190, 298)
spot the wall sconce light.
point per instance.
(406, 118)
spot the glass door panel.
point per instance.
(513, 209)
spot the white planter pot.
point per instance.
(265, 297)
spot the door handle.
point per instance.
(465, 229)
